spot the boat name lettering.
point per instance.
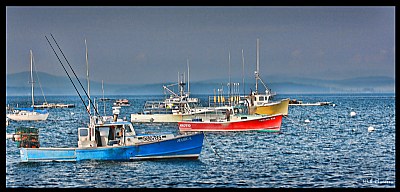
(152, 138)
(184, 139)
(271, 118)
(185, 125)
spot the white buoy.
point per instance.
(370, 129)
(72, 113)
(352, 114)
(307, 121)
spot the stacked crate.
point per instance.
(27, 137)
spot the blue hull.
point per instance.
(182, 147)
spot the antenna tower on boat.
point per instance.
(188, 92)
(33, 100)
(69, 77)
(87, 75)
(257, 67)
(230, 83)
(244, 88)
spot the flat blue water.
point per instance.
(332, 150)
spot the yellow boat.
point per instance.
(261, 103)
(264, 107)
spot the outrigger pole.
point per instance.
(70, 76)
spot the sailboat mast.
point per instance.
(33, 101)
(87, 75)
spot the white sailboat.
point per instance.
(29, 113)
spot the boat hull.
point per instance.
(172, 118)
(52, 105)
(264, 123)
(28, 116)
(155, 118)
(311, 104)
(184, 146)
(281, 107)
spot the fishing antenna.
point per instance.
(94, 107)
(67, 74)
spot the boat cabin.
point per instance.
(107, 134)
(258, 99)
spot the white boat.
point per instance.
(54, 105)
(29, 113)
(172, 109)
(295, 102)
(122, 102)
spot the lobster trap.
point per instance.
(27, 137)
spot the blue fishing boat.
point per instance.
(111, 138)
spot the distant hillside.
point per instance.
(18, 84)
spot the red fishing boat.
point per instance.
(270, 123)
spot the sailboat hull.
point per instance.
(28, 116)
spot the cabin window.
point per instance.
(128, 129)
(261, 98)
(83, 132)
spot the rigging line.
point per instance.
(94, 107)
(68, 75)
(40, 85)
(215, 152)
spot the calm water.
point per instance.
(332, 150)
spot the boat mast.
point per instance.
(102, 88)
(258, 64)
(188, 77)
(230, 83)
(244, 88)
(33, 102)
(87, 76)
(182, 84)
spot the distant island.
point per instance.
(16, 85)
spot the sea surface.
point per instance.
(333, 150)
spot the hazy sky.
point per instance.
(136, 45)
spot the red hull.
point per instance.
(266, 123)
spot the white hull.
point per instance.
(28, 116)
(155, 118)
(311, 104)
(53, 105)
(173, 118)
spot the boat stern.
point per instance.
(47, 154)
